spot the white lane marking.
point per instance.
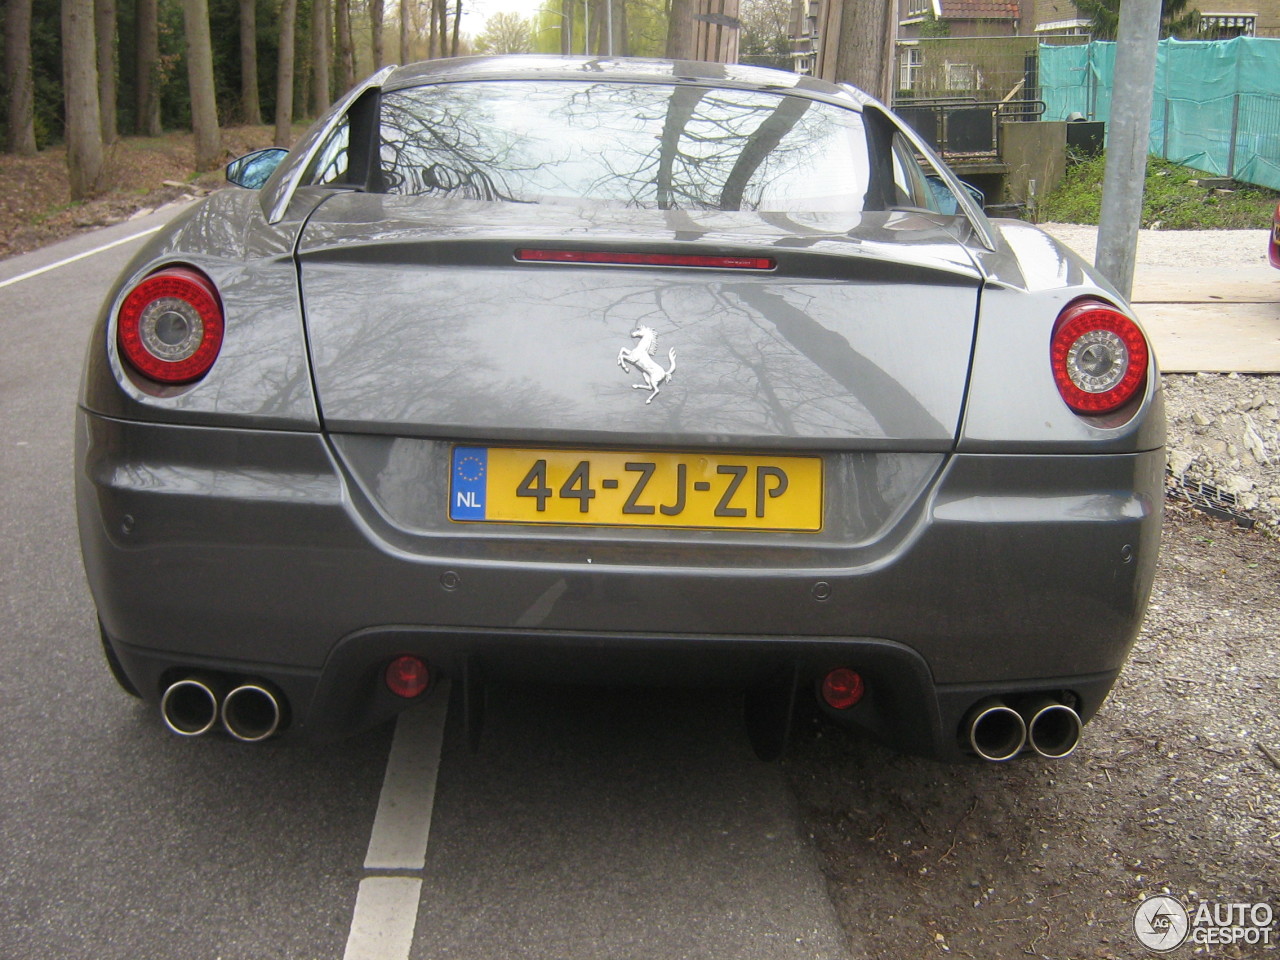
(403, 821)
(386, 912)
(79, 256)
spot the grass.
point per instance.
(1170, 200)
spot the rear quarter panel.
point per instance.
(261, 377)
(1014, 405)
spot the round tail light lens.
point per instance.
(1099, 357)
(170, 326)
(843, 688)
(407, 676)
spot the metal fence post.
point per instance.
(1235, 122)
(1128, 142)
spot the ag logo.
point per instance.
(1161, 924)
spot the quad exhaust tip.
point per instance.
(189, 707)
(996, 732)
(250, 712)
(1053, 730)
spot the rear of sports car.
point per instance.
(535, 373)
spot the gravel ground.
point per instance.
(1175, 788)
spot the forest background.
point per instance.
(80, 74)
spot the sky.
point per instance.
(476, 12)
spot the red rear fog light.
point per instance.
(407, 676)
(843, 688)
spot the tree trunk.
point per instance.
(680, 30)
(404, 31)
(104, 22)
(147, 122)
(250, 102)
(284, 73)
(346, 52)
(457, 22)
(375, 31)
(321, 92)
(17, 62)
(204, 103)
(864, 55)
(80, 83)
(440, 28)
(566, 27)
(619, 9)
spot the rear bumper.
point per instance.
(254, 553)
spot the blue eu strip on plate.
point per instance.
(467, 493)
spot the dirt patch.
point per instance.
(1172, 790)
(38, 210)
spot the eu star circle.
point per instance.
(470, 469)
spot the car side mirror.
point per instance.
(254, 169)
(946, 200)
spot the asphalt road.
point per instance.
(590, 824)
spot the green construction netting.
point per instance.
(1216, 106)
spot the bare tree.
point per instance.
(284, 72)
(80, 84)
(566, 27)
(147, 85)
(766, 25)
(376, 11)
(680, 30)
(104, 19)
(17, 61)
(204, 103)
(457, 22)
(346, 50)
(321, 88)
(505, 33)
(250, 108)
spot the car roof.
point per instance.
(620, 69)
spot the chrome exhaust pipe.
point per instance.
(251, 713)
(1053, 729)
(189, 707)
(996, 732)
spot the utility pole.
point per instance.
(1127, 141)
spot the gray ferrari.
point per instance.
(624, 372)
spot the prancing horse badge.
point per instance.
(641, 357)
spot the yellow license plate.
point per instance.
(516, 485)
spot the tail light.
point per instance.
(1273, 248)
(1099, 357)
(170, 325)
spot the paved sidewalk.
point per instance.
(1204, 309)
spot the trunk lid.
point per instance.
(422, 322)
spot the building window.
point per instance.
(909, 66)
(1224, 26)
(961, 76)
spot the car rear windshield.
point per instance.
(642, 145)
